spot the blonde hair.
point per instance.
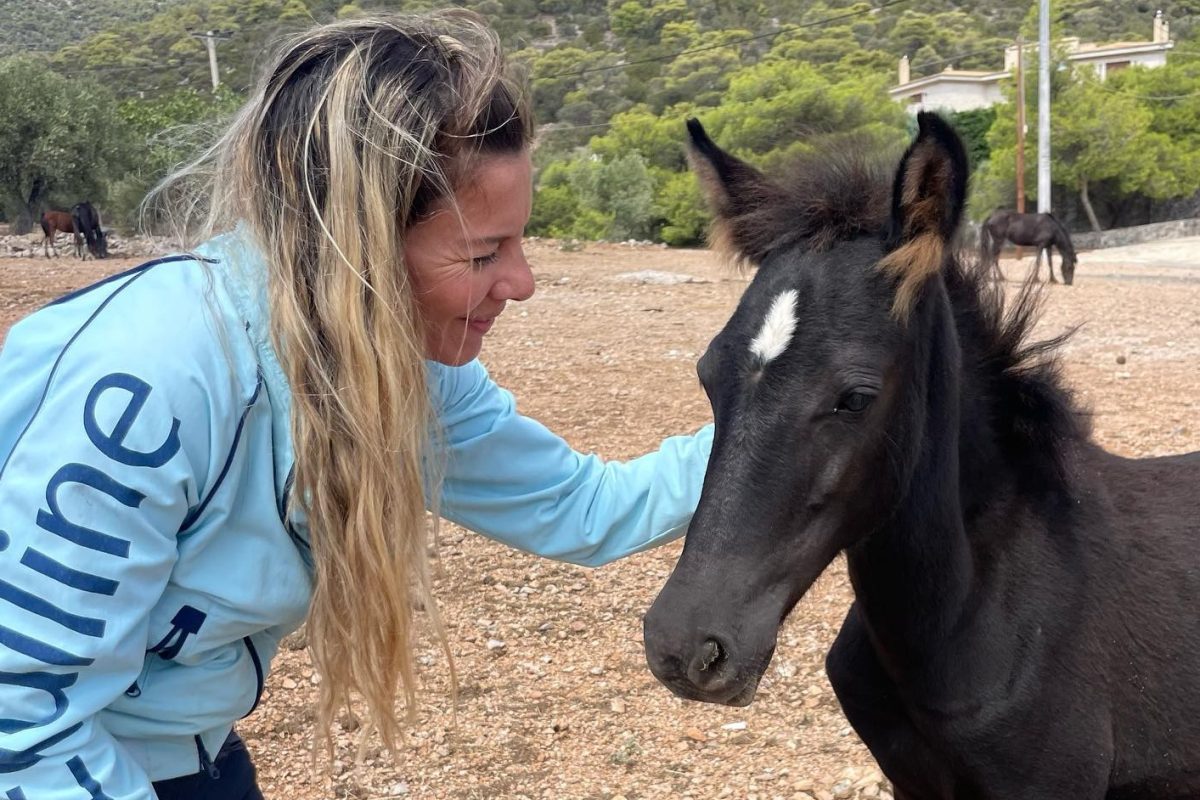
(356, 130)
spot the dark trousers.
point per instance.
(233, 778)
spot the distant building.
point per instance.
(963, 90)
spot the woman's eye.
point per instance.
(854, 402)
(482, 261)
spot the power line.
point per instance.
(690, 50)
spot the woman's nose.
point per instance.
(517, 281)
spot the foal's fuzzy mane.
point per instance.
(1033, 414)
(817, 201)
(825, 199)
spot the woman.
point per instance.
(201, 454)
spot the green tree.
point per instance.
(681, 206)
(60, 140)
(620, 189)
(973, 126)
(169, 130)
(1100, 133)
(1108, 142)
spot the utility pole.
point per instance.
(1020, 125)
(1020, 130)
(1043, 107)
(210, 43)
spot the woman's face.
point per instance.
(466, 266)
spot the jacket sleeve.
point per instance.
(509, 478)
(97, 475)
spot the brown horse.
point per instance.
(54, 222)
(83, 222)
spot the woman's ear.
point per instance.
(928, 196)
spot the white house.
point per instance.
(962, 90)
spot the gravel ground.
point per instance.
(555, 700)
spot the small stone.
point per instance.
(734, 726)
(617, 705)
(577, 626)
(695, 734)
(398, 789)
(842, 790)
(288, 683)
(496, 645)
(1120, 359)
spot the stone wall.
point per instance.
(1118, 237)
(30, 246)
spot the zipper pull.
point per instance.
(186, 622)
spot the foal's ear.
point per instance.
(735, 190)
(928, 195)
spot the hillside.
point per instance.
(27, 26)
(614, 78)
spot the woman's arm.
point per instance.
(104, 448)
(509, 478)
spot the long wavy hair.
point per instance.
(357, 129)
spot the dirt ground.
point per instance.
(565, 707)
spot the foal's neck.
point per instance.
(912, 576)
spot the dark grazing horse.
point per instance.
(83, 223)
(87, 223)
(1026, 621)
(1042, 231)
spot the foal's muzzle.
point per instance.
(701, 661)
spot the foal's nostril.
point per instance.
(709, 655)
(708, 670)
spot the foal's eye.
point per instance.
(854, 402)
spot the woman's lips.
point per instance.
(481, 325)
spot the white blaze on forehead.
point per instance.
(778, 327)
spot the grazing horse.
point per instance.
(1042, 231)
(82, 222)
(87, 223)
(1025, 623)
(54, 222)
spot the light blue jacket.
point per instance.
(147, 570)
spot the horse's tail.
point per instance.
(1063, 239)
(985, 244)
